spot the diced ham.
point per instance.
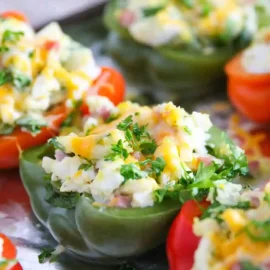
(236, 266)
(105, 113)
(126, 18)
(206, 160)
(121, 201)
(59, 155)
(254, 202)
(254, 166)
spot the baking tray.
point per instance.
(16, 217)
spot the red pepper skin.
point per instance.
(9, 253)
(182, 242)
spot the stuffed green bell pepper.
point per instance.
(182, 45)
(112, 191)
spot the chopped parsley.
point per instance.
(111, 118)
(118, 150)
(21, 81)
(216, 209)
(148, 147)
(247, 265)
(85, 166)
(30, 124)
(66, 200)
(125, 124)
(137, 137)
(5, 76)
(6, 129)
(11, 36)
(46, 254)
(56, 144)
(3, 49)
(18, 80)
(189, 3)
(187, 130)
(158, 166)
(151, 11)
(267, 197)
(258, 231)
(131, 171)
(31, 54)
(68, 122)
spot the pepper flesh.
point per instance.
(187, 72)
(100, 234)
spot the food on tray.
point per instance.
(249, 79)
(8, 254)
(43, 77)
(263, 11)
(234, 233)
(182, 44)
(129, 172)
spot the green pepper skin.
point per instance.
(102, 235)
(187, 73)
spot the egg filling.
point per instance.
(38, 71)
(137, 156)
(195, 24)
(235, 235)
(256, 58)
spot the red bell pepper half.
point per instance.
(181, 242)
(8, 255)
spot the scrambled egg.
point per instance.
(39, 70)
(140, 150)
(239, 237)
(158, 23)
(256, 58)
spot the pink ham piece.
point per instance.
(59, 155)
(121, 201)
(126, 18)
(206, 160)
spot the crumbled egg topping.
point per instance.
(242, 237)
(158, 23)
(137, 151)
(256, 58)
(39, 70)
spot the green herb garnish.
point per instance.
(3, 49)
(11, 36)
(247, 265)
(125, 124)
(151, 11)
(68, 122)
(131, 171)
(5, 76)
(21, 81)
(216, 209)
(187, 130)
(158, 166)
(266, 198)
(258, 231)
(32, 125)
(148, 147)
(85, 166)
(56, 144)
(46, 254)
(118, 150)
(189, 3)
(6, 129)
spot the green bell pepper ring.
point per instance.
(99, 234)
(189, 73)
